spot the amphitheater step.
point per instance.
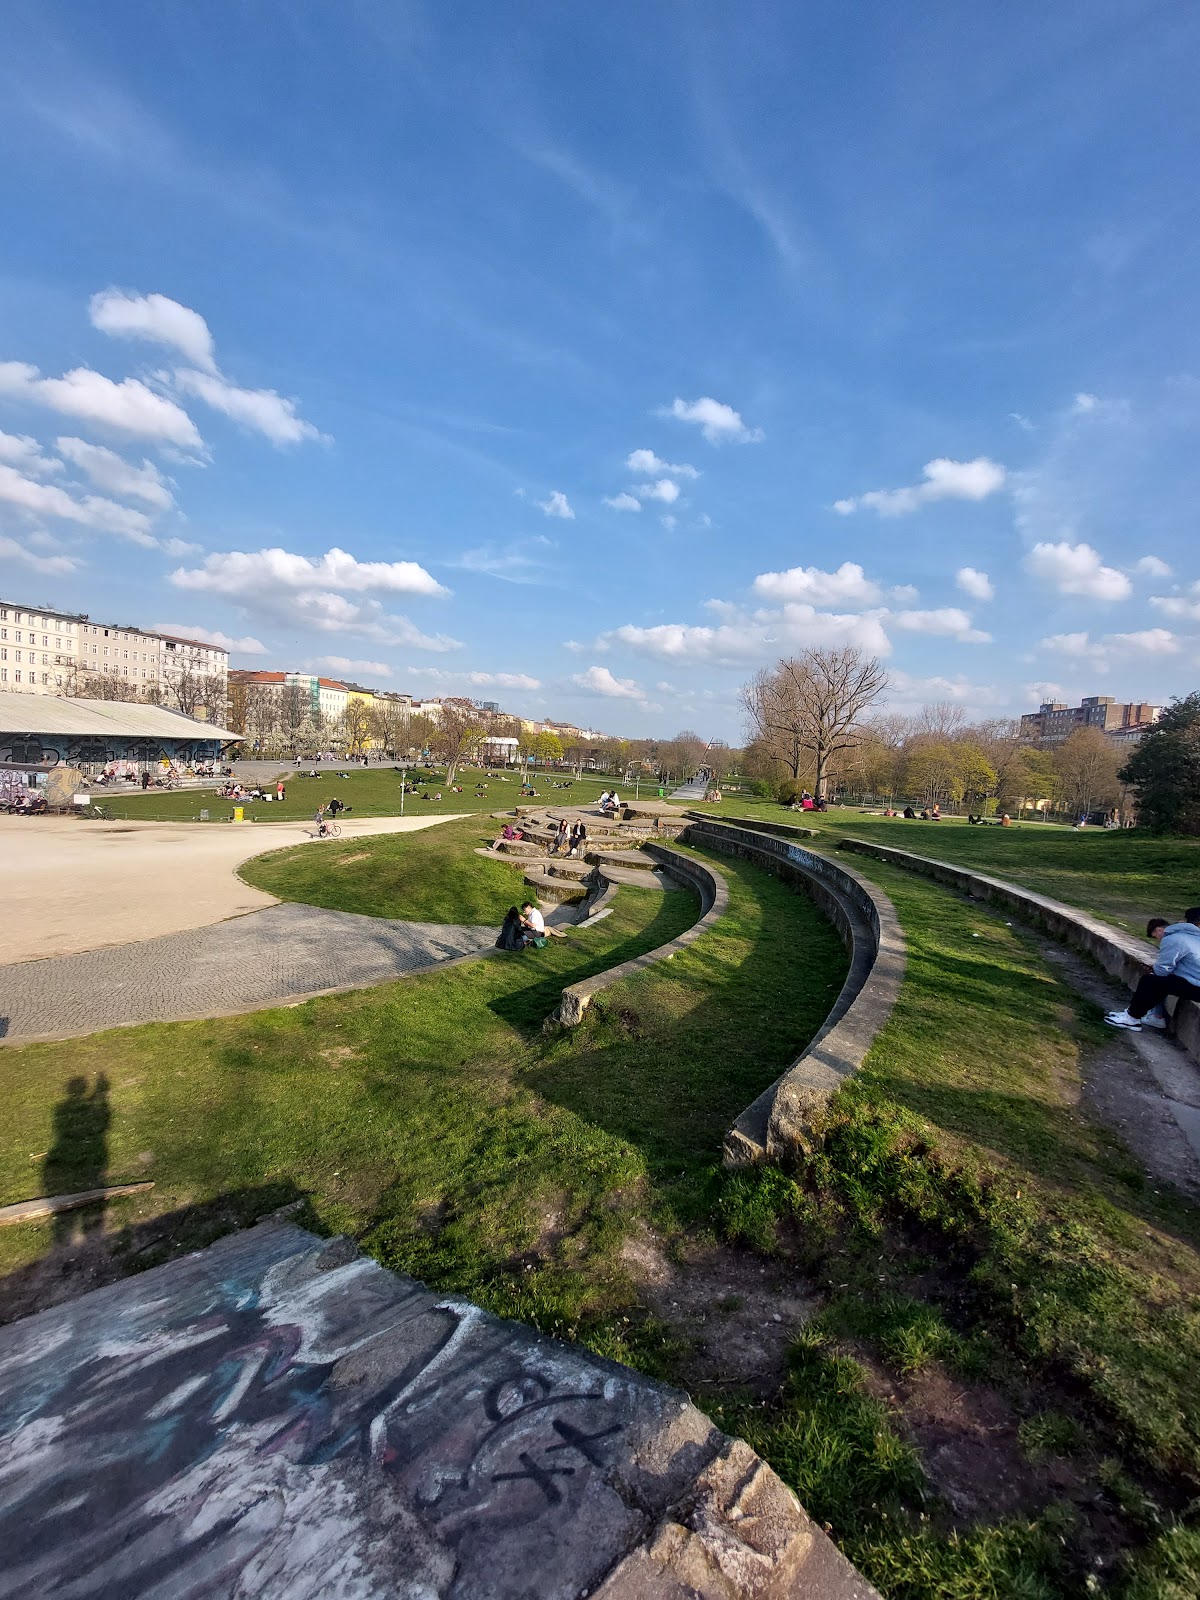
(620, 858)
(550, 888)
(633, 879)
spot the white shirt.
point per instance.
(536, 920)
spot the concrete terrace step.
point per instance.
(619, 858)
(632, 879)
(547, 887)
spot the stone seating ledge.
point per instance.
(714, 897)
(780, 1121)
(1120, 954)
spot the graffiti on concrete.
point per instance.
(277, 1415)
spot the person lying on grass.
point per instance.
(1176, 972)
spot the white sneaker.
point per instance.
(1122, 1019)
(1155, 1019)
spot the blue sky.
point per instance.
(589, 358)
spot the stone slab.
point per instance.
(279, 1418)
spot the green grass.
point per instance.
(430, 876)
(373, 792)
(433, 1119)
(1123, 876)
(962, 1210)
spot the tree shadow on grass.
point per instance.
(76, 1265)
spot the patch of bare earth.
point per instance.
(346, 861)
(736, 1314)
(338, 1054)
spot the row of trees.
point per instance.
(809, 726)
(183, 689)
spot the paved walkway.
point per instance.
(266, 958)
(693, 789)
(71, 885)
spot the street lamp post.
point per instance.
(403, 786)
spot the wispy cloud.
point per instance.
(942, 479)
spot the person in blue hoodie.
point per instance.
(1177, 972)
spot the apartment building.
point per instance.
(39, 648)
(43, 651)
(1055, 721)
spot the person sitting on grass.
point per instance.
(533, 923)
(512, 934)
(1176, 972)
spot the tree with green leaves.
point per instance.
(1164, 770)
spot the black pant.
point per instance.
(1152, 990)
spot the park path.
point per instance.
(693, 789)
(71, 885)
(265, 958)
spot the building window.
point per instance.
(16, 677)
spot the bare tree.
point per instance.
(1087, 764)
(188, 691)
(389, 718)
(98, 683)
(943, 719)
(812, 704)
(454, 735)
(691, 748)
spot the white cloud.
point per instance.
(1180, 605)
(1154, 641)
(669, 522)
(904, 594)
(50, 566)
(155, 318)
(112, 472)
(665, 490)
(504, 680)
(744, 637)
(1152, 567)
(647, 465)
(247, 645)
(324, 612)
(948, 621)
(1022, 422)
(179, 547)
(1084, 403)
(975, 583)
(720, 424)
(849, 585)
(48, 500)
(248, 573)
(1077, 569)
(263, 410)
(905, 691)
(128, 406)
(1076, 645)
(354, 669)
(521, 561)
(943, 480)
(623, 502)
(599, 680)
(1113, 648)
(557, 506)
(19, 450)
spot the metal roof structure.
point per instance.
(34, 714)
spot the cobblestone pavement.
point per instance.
(249, 961)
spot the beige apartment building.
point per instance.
(43, 651)
(39, 649)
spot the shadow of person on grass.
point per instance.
(78, 1158)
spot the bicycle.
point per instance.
(332, 831)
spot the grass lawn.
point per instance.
(1124, 876)
(1009, 1308)
(431, 876)
(374, 792)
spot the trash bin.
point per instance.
(203, 816)
(661, 793)
(239, 813)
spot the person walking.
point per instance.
(1176, 972)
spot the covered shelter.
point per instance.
(41, 732)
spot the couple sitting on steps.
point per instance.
(1177, 972)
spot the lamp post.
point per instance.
(403, 786)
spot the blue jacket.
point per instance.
(1179, 952)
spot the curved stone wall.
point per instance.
(714, 897)
(780, 1120)
(1120, 954)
